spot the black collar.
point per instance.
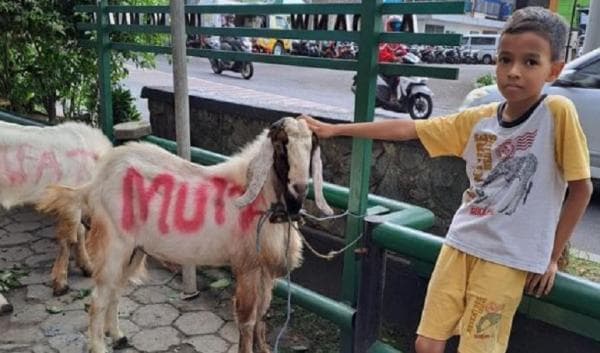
(520, 119)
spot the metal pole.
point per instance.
(573, 10)
(182, 114)
(592, 32)
(360, 172)
(104, 74)
(370, 296)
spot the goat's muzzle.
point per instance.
(280, 214)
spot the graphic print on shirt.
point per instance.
(511, 178)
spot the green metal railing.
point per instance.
(396, 212)
(367, 68)
(573, 304)
(399, 233)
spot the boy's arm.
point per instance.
(573, 209)
(398, 130)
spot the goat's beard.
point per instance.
(292, 204)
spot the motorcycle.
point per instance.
(245, 68)
(414, 97)
(306, 48)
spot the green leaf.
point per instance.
(220, 284)
(83, 293)
(54, 309)
(10, 279)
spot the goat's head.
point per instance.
(290, 151)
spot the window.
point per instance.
(483, 41)
(592, 69)
(434, 29)
(586, 77)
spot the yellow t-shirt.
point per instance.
(517, 172)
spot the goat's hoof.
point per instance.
(121, 343)
(5, 309)
(60, 290)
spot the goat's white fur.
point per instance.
(226, 242)
(31, 158)
(32, 144)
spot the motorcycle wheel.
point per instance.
(420, 106)
(214, 65)
(247, 70)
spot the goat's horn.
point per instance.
(317, 169)
(258, 171)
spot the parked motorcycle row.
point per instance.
(446, 55)
(325, 49)
(349, 50)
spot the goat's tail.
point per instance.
(66, 204)
(63, 202)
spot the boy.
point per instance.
(520, 155)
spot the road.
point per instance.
(332, 87)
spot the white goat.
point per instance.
(31, 158)
(144, 200)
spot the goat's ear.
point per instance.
(317, 175)
(258, 171)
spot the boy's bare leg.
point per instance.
(429, 345)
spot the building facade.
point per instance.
(481, 17)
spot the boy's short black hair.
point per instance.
(542, 22)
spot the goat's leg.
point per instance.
(119, 340)
(81, 256)
(60, 268)
(245, 305)
(112, 262)
(111, 321)
(98, 310)
(66, 235)
(264, 301)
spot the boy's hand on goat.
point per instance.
(541, 284)
(323, 130)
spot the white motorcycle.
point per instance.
(414, 97)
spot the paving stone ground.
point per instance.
(152, 315)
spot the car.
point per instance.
(580, 82)
(485, 45)
(275, 46)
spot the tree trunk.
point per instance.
(50, 106)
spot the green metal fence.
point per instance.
(574, 304)
(422, 247)
(154, 19)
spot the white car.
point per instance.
(580, 82)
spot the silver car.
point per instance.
(580, 82)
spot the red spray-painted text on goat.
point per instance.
(24, 164)
(171, 196)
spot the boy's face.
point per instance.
(524, 64)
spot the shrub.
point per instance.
(485, 80)
(42, 65)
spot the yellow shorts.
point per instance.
(473, 298)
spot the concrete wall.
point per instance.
(400, 170)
